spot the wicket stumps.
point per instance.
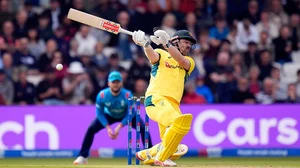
(134, 104)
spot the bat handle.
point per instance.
(126, 31)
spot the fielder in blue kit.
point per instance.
(111, 107)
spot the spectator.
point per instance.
(2, 100)
(242, 94)
(226, 86)
(203, 90)
(36, 46)
(86, 42)
(49, 90)
(5, 12)
(283, 45)
(113, 63)
(100, 59)
(190, 24)
(8, 65)
(73, 52)
(298, 84)
(8, 33)
(292, 95)
(175, 5)
(44, 27)
(219, 31)
(140, 87)
(251, 56)
(218, 72)
(3, 46)
(153, 11)
(20, 24)
(238, 65)
(139, 69)
(265, 64)
(70, 28)
(232, 37)
(51, 47)
(168, 24)
(57, 58)
(246, 32)
(266, 96)
(99, 80)
(265, 42)
(86, 61)
(253, 11)
(295, 30)
(281, 93)
(123, 40)
(59, 34)
(25, 92)
(77, 87)
(6, 88)
(23, 57)
(225, 46)
(32, 20)
(191, 97)
(125, 75)
(254, 84)
(277, 14)
(104, 10)
(266, 25)
(56, 13)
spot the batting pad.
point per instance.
(174, 136)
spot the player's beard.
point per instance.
(115, 90)
(185, 50)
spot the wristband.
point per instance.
(168, 44)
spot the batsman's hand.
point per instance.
(160, 37)
(139, 37)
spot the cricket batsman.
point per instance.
(111, 107)
(171, 66)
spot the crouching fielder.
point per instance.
(171, 67)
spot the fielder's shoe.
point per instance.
(80, 160)
(166, 163)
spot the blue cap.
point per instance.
(114, 76)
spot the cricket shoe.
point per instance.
(166, 163)
(148, 159)
(80, 161)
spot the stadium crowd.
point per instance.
(246, 51)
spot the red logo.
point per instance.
(102, 94)
(127, 95)
(111, 26)
(167, 65)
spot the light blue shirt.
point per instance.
(114, 106)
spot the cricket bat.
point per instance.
(96, 22)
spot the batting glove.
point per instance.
(140, 38)
(160, 37)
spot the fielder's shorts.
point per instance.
(162, 109)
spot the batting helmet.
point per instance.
(184, 34)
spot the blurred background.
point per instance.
(247, 50)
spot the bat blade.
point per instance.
(94, 21)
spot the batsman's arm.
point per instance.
(151, 54)
(173, 51)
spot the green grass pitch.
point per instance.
(183, 162)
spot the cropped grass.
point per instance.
(183, 162)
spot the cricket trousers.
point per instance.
(96, 126)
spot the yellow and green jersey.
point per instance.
(168, 77)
